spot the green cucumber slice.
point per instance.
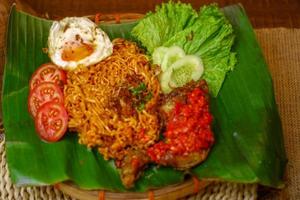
(164, 81)
(158, 55)
(186, 69)
(173, 54)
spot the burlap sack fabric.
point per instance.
(282, 51)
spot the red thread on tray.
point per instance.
(97, 18)
(151, 195)
(56, 186)
(101, 195)
(196, 184)
(117, 18)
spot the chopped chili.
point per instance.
(188, 129)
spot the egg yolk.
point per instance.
(76, 50)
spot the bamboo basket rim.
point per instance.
(175, 191)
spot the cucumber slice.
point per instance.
(164, 81)
(173, 54)
(184, 70)
(159, 54)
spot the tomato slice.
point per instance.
(51, 121)
(48, 73)
(43, 93)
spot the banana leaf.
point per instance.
(249, 143)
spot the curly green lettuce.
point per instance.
(207, 34)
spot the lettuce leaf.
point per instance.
(206, 33)
(168, 19)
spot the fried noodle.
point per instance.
(101, 108)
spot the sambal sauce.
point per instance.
(188, 128)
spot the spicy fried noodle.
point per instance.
(108, 106)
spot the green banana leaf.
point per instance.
(249, 143)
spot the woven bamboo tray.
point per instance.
(178, 191)
(189, 187)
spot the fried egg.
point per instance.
(77, 42)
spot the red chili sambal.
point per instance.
(188, 128)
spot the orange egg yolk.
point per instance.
(76, 50)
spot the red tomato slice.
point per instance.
(51, 121)
(43, 93)
(48, 73)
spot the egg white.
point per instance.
(66, 30)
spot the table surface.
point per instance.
(262, 13)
